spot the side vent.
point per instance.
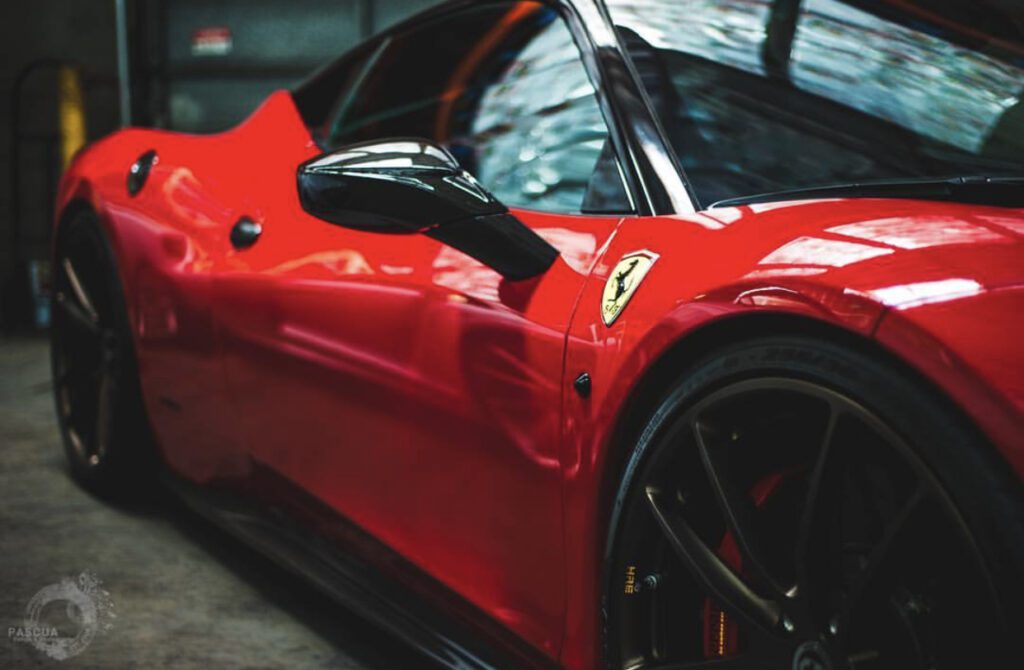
(139, 172)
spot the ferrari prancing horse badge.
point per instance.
(623, 282)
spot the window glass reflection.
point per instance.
(760, 96)
(539, 132)
(924, 83)
(503, 88)
(733, 30)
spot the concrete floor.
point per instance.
(185, 595)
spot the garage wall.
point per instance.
(75, 30)
(269, 44)
(389, 12)
(261, 45)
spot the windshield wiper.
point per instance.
(976, 190)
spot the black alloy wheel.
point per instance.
(770, 519)
(98, 400)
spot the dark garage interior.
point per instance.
(184, 594)
(575, 334)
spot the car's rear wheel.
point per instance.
(793, 504)
(95, 379)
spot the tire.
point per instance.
(97, 395)
(793, 503)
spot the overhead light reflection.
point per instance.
(785, 272)
(912, 233)
(818, 251)
(903, 296)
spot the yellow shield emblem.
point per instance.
(623, 282)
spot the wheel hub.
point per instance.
(812, 655)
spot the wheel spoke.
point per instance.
(78, 316)
(659, 621)
(713, 574)
(78, 289)
(819, 501)
(880, 556)
(104, 407)
(817, 475)
(81, 411)
(736, 507)
(75, 375)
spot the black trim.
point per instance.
(245, 233)
(307, 537)
(583, 385)
(656, 177)
(975, 190)
(138, 173)
(501, 242)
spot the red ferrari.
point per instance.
(647, 334)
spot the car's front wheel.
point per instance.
(796, 504)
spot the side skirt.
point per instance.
(308, 538)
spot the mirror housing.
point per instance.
(406, 186)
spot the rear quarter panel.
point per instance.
(169, 240)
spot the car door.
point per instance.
(404, 384)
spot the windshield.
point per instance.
(758, 96)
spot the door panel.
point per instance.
(417, 393)
(173, 228)
(401, 382)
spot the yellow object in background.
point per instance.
(71, 112)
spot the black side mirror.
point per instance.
(414, 186)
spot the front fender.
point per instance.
(838, 265)
(969, 345)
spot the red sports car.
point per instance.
(591, 333)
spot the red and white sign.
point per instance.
(211, 41)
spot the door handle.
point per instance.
(245, 233)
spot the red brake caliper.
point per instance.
(721, 632)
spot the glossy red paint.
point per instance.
(402, 383)
(969, 345)
(845, 263)
(429, 401)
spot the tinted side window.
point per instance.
(768, 95)
(504, 89)
(319, 97)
